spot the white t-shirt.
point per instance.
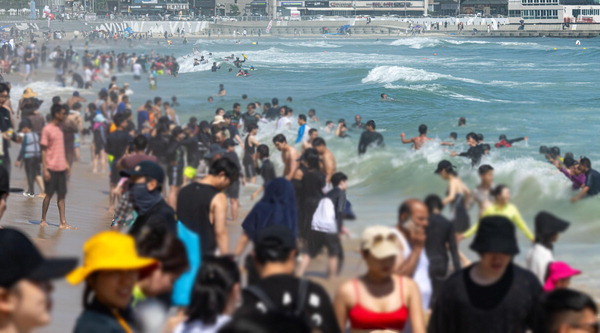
(421, 276)
(137, 69)
(283, 123)
(198, 326)
(538, 259)
(87, 75)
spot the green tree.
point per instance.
(234, 10)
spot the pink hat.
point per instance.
(558, 270)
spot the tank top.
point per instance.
(193, 210)
(248, 149)
(460, 216)
(365, 319)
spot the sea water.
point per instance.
(543, 88)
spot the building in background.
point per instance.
(566, 12)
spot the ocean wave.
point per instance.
(313, 44)
(425, 42)
(389, 74)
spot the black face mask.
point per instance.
(142, 199)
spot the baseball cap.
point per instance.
(229, 143)
(380, 241)
(444, 165)
(147, 169)
(214, 150)
(20, 259)
(276, 234)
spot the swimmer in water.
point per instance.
(462, 121)
(214, 67)
(370, 138)
(419, 141)
(385, 97)
(506, 143)
(196, 63)
(240, 73)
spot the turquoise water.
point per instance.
(542, 88)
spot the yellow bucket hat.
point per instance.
(109, 250)
(28, 93)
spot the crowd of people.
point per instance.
(174, 185)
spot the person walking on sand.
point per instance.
(55, 168)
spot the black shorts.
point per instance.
(233, 191)
(317, 240)
(249, 168)
(57, 183)
(175, 175)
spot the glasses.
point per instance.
(588, 327)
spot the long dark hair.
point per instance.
(214, 283)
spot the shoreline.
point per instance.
(87, 200)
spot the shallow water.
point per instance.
(542, 88)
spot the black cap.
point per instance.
(495, 234)
(147, 169)
(214, 150)
(547, 224)
(229, 143)
(277, 234)
(444, 165)
(20, 259)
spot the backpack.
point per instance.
(297, 313)
(323, 219)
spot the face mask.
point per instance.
(142, 199)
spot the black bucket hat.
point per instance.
(547, 224)
(495, 234)
(20, 259)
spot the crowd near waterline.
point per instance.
(167, 261)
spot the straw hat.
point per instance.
(29, 93)
(109, 250)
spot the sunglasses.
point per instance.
(380, 238)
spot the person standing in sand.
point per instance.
(289, 155)
(55, 168)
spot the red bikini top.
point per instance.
(361, 318)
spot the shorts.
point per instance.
(249, 168)
(57, 183)
(233, 191)
(175, 175)
(136, 77)
(317, 240)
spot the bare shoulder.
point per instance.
(346, 292)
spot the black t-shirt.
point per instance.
(5, 125)
(117, 143)
(77, 78)
(593, 182)
(159, 216)
(282, 290)
(367, 139)
(488, 297)
(249, 119)
(267, 171)
(273, 113)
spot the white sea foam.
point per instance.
(389, 74)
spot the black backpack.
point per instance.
(296, 313)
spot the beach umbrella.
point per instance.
(2, 11)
